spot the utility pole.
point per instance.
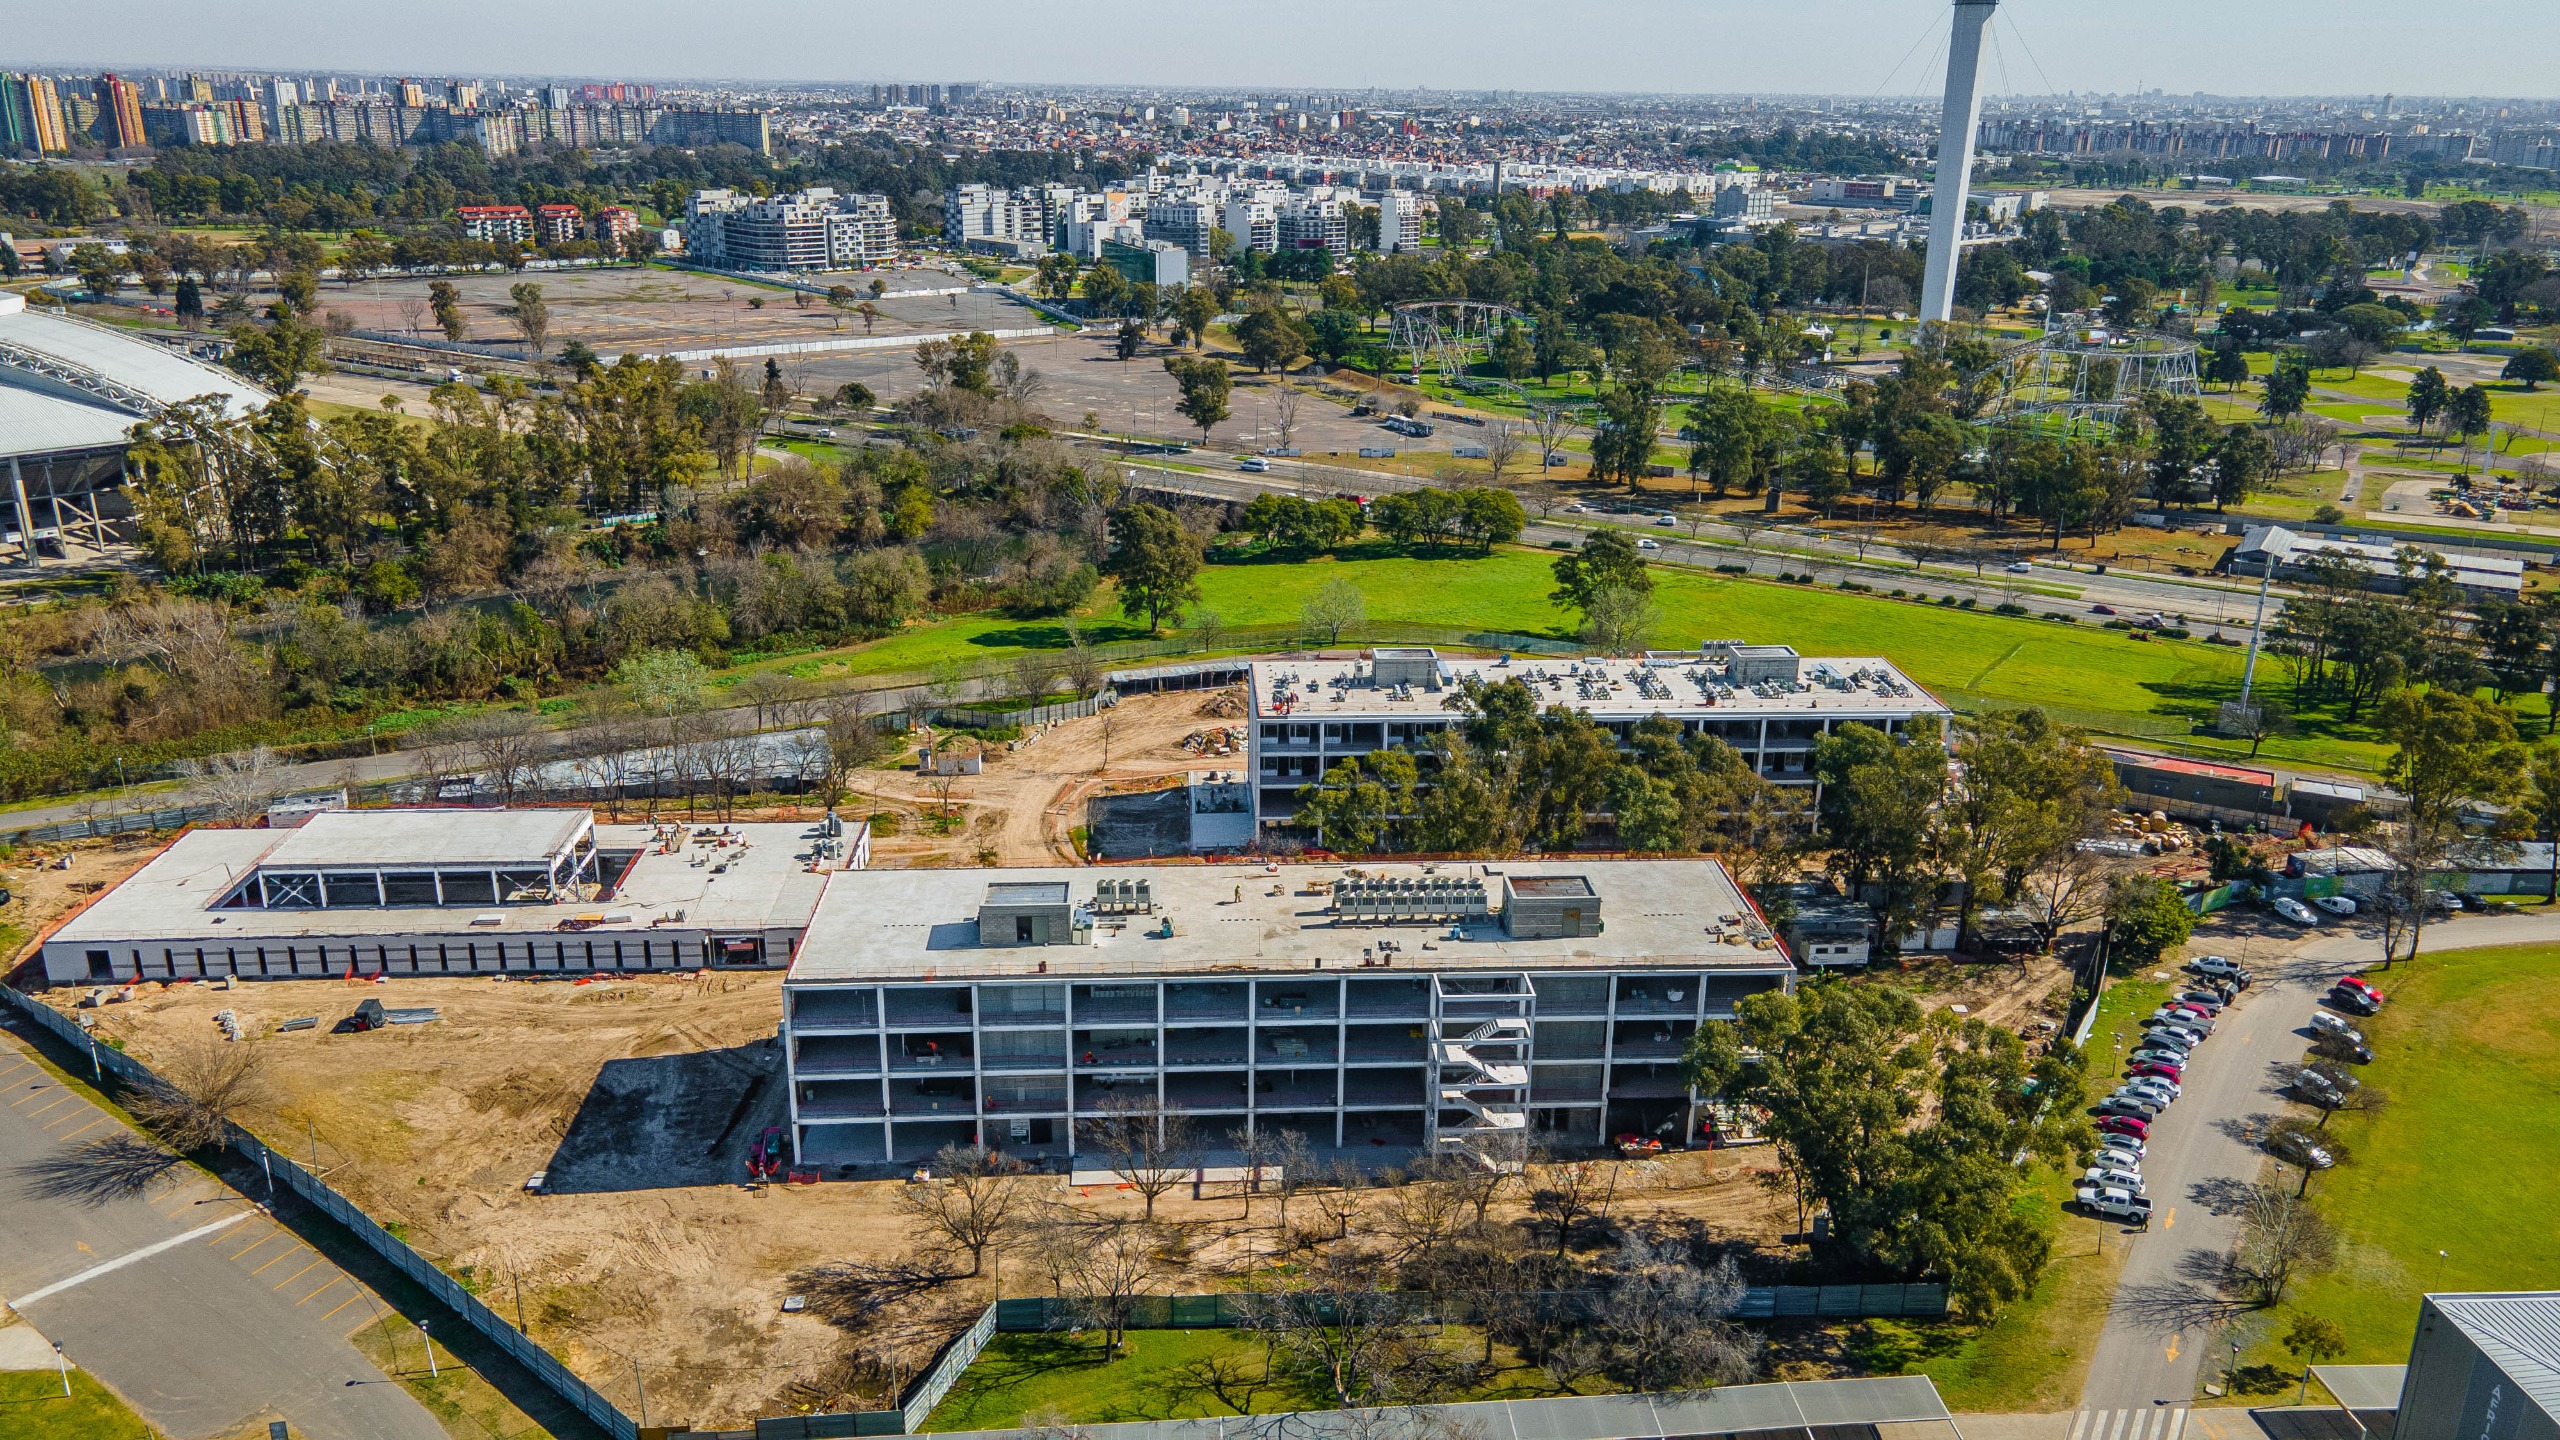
(1956, 124)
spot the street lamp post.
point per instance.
(62, 1363)
(430, 1342)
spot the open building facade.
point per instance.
(1401, 1007)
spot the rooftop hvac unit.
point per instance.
(1142, 896)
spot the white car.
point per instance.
(2102, 1176)
(2121, 1152)
(1253, 464)
(1648, 543)
(2328, 1024)
(2214, 965)
(2295, 911)
(2020, 567)
(2336, 904)
(2160, 1083)
(2115, 1202)
(1666, 518)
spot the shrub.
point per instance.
(1965, 604)
(2007, 607)
(2119, 624)
(1898, 592)
(884, 823)
(2065, 619)
(2173, 632)
(1733, 569)
(1948, 600)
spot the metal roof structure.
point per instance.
(2519, 1333)
(367, 839)
(68, 386)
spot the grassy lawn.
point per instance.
(1029, 1374)
(32, 1408)
(2468, 1051)
(2144, 685)
(468, 1407)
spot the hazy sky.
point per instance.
(1851, 47)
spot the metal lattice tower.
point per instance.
(2082, 376)
(1450, 334)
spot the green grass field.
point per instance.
(2468, 1053)
(1064, 1376)
(2145, 686)
(32, 1408)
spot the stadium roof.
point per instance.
(66, 384)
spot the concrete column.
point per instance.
(26, 515)
(1959, 119)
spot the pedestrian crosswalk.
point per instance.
(2152, 1422)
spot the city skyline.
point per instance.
(1886, 49)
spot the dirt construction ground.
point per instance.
(624, 1091)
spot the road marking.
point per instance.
(67, 1119)
(121, 1261)
(323, 1290)
(254, 1244)
(317, 1260)
(83, 1130)
(56, 1105)
(2169, 1217)
(280, 1258)
(2173, 1347)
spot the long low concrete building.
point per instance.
(1400, 1006)
(457, 892)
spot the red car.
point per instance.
(2125, 1125)
(2189, 1007)
(2362, 987)
(2170, 1073)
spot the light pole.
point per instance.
(430, 1342)
(62, 1363)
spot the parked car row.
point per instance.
(2154, 1077)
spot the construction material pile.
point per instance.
(1225, 740)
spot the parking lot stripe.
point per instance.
(60, 1101)
(324, 1289)
(83, 1130)
(254, 1244)
(317, 1260)
(350, 1300)
(281, 1256)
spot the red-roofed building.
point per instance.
(558, 224)
(608, 226)
(501, 223)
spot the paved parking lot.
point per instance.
(189, 1302)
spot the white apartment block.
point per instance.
(1763, 700)
(813, 229)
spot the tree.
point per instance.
(531, 315)
(2242, 462)
(854, 398)
(2467, 414)
(2288, 386)
(2226, 366)
(1616, 619)
(2428, 394)
(1194, 310)
(1551, 424)
(1607, 560)
(203, 1093)
(1127, 341)
(2147, 917)
(1284, 412)
(2281, 1238)
(1878, 795)
(2312, 1339)
(100, 269)
(446, 301)
(1205, 389)
(2452, 753)
(238, 785)
(1272, 339)
(973, 1202)
(1156, 562)
(1150, 1148)
(1100, 1268)
(1335, 607)
(280, 353)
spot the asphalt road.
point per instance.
(202, 1313)
(2162, 1339)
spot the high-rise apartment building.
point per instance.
(120, 111)
(814, 229)
(31, 111)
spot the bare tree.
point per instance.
(1150, 1148)
(849, 739)
(1338, 1321)
(1567, 1194)
(239, 786)
(1083, 664)
(1284, 410)
(1035, 674)
(1551, 425)
(1100, 1268)
(725, 762)
(767, 694)
(504, 745)
(2281, 1237)
(1337, 1198)
(972, 1204)
(413, 313)
(1503, 442)
(202, 1092)
(1666, 1324)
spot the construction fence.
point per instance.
(283, 1172)
(1230, 1311)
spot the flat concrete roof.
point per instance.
(759, 882)
(1331, 689)
(908, 925)
(426, 838)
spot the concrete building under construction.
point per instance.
(1412, 1008)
